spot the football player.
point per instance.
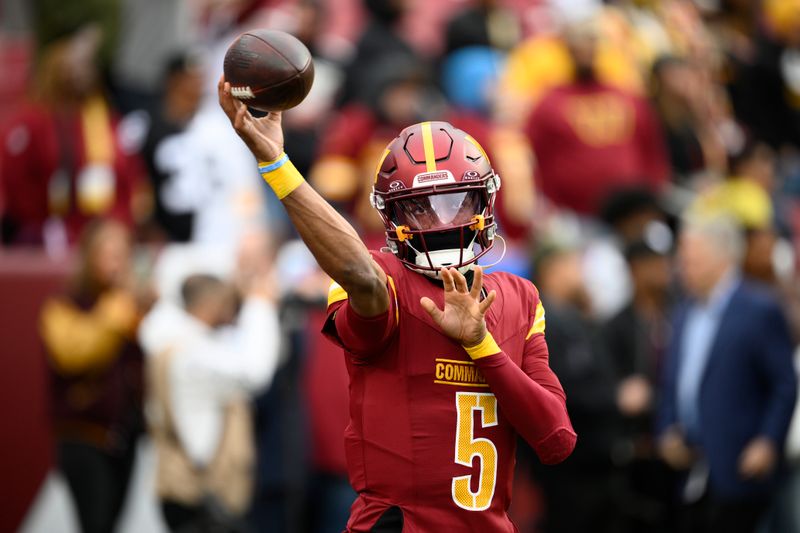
(447, 365)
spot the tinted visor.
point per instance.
(437, 210)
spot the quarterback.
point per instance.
(447, 365)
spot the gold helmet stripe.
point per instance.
(477, 145)
(427, 145)
(380, 164)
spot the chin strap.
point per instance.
(502, 255)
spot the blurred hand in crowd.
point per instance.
(255, 273)
(119, 311)
(260, 284)
(634, 395)
(674, 450)
(758, 459)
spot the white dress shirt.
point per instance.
(211, 367)
(700, 331)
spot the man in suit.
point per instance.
(729, 385)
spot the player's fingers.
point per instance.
(235, 102)
(225, 98)
(430, 307)
(461, 281)
(275, 116)
(240, 119)
(477, 282)
(233, 107)
(447, 278)
(487, 302)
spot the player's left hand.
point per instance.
(463, 316)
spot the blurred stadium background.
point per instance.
(607, 121)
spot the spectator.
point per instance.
(380, 40)
(62, 158)
(211, 174)
(89, 336)
(750, 193)
(281, 425)
(53, 20)
(630, 214)
(763, 81)
(785, 515)
(675, 84)
(302, 125)
(325, 391)
(635, 341)
(590, 138)
(485, 24)
(746, 198)
(586, 480)
(729, 384)
(202, 375)
(543, 61)
(213, 177)
(166, 141)
(749, 205)
(149, 34)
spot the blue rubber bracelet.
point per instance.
(273, 166)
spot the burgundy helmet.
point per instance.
(435, 190)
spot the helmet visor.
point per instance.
(437, 211)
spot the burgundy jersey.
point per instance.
(431, 431)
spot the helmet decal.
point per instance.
(471, 175)
(428, 178)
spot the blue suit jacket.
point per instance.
(747, 390)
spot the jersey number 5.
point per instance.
(468, 447)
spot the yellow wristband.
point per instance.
(485, 348)
(281, 175)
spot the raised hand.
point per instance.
(462, 318)
(263, 136)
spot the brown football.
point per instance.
(269, 70)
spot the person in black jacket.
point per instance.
(182, 92)
(380, 40)
(588, 479)
(635, 340)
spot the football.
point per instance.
(269, 70)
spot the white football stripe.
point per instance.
(242, 93)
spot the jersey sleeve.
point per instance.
(361, 336)
(530, 395)
(536, 355)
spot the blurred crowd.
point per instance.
(649, 152)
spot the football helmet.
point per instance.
(435, 191)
